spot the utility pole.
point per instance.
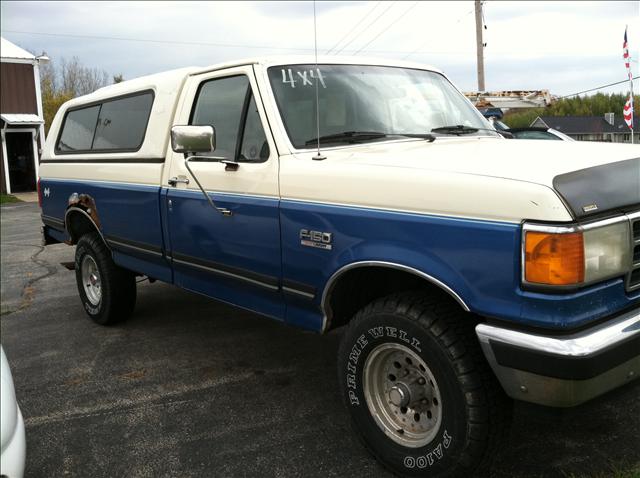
(479, 45)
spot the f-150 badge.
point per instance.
(317, 239)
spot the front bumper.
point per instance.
(564, 370)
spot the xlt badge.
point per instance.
(317, 239)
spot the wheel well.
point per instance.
(79, 223)
(359, 286)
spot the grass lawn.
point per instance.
(7, 198)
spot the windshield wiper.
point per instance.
(353, 136)
(428, 136)
(347, 136)
(459, 129)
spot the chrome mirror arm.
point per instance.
(223, 211)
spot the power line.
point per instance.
(354, 28)
(145, 40)
(598, 88)
(423, 44)
(365, 28)
(193, 43)
(387, 27)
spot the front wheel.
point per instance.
(421, 396)
(108, 292)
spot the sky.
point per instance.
(564, 47)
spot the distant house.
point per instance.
(21, 120)
(610, 128)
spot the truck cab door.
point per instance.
(230, 252)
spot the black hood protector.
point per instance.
(592, 191)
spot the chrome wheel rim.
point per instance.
(91, 280)
(402, 395)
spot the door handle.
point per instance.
(230, 165)
(224, 211)
(174, 181)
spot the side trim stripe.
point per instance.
(53, 222)
(298, 288)
(262, 280)
(120, 243)
(103, 160)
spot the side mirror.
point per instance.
(193, 139)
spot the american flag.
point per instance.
(625, 54)
(627, 112)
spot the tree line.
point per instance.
(60, 82)
(593, 105)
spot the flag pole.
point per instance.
(627, 58)
(626, 27)
(631, 94)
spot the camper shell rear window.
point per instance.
(117, 124)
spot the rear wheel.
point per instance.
(421, 395)
(108, 292)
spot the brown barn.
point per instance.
(21, 123)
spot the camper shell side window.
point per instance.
(113, 125)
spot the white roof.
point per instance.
(21, 119)
(176, 77)
(9, 51)
(322, 59)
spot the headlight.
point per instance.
(575, 255)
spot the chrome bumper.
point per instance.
(565, 370)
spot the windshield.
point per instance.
(359, 98)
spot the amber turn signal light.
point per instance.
(554, 259)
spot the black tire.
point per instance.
(474, 414)
(117, 297)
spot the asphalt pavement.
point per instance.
(190, 387)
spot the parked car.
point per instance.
(526, 133)
(499, 126)
(369, 195)
(539, 133)
(12, 436)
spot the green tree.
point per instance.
(594, 105)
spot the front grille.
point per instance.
(633, 281)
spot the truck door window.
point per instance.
(220, 103)
(228, 105)
(254, 146)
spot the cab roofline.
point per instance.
(268, 61)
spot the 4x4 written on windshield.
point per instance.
(361, 103)
(304, 77)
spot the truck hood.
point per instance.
(536, 161)
(590, 177)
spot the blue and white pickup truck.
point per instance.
(370, 195)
